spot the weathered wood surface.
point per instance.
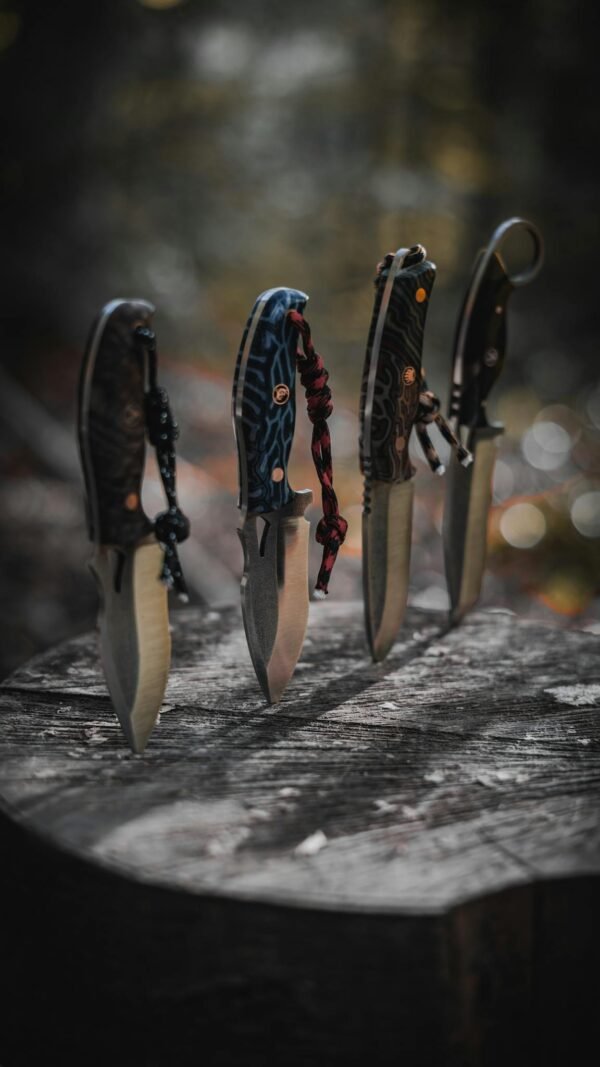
(398, 860)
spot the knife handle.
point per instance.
(480, 341)
(111, 424)
(483, 326)
(392, 373)
(264, 401)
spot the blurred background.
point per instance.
(197, 153)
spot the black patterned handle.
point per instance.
(480, 341)
(264, 404)
(111, 424)
(474, 374)
(392, 371)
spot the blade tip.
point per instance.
(273, 696)
(379, 650)
(139, 740)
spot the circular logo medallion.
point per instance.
(409, 375)
(281, 394)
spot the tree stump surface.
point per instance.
(398, 858)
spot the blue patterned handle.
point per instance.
(264, 404)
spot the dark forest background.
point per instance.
(197, 153)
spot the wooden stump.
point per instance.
(397, 865)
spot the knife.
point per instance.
(274, 532)
(479, 351)
(134, 560)
(390, 396)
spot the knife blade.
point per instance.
(135, 643)
(274, 532)
(390, 392)
(478, 358)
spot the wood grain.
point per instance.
(379, 866)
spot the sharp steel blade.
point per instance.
(389, 404)
(468, 499)
(387, 528)
(275, 591)
(135, 643)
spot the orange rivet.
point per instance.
(131, 501)
(277, 475)
(409, 375)
(281, 394)
(420, 295)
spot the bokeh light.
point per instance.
(546, 445)
(523, 525)
(585, 514)
(566, 593)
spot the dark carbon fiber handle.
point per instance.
(480, 341)
(392, 372)
(482, 326)
(264, 406)
(111, 424)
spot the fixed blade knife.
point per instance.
(128, 561)
(391, 386)
(479, 352)
(274, 532)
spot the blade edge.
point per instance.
(135, 642)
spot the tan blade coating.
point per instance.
(275, 593)
(386, 558)
(135, 643)
(466, 509)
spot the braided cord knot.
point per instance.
(332, 528)
(428, 413)
(170, 526)
(162, 428)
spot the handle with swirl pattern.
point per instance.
(392, 372)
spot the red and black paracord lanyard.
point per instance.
(332, 528)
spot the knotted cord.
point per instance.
(332, 528)
(171, 526)
(428, 412)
